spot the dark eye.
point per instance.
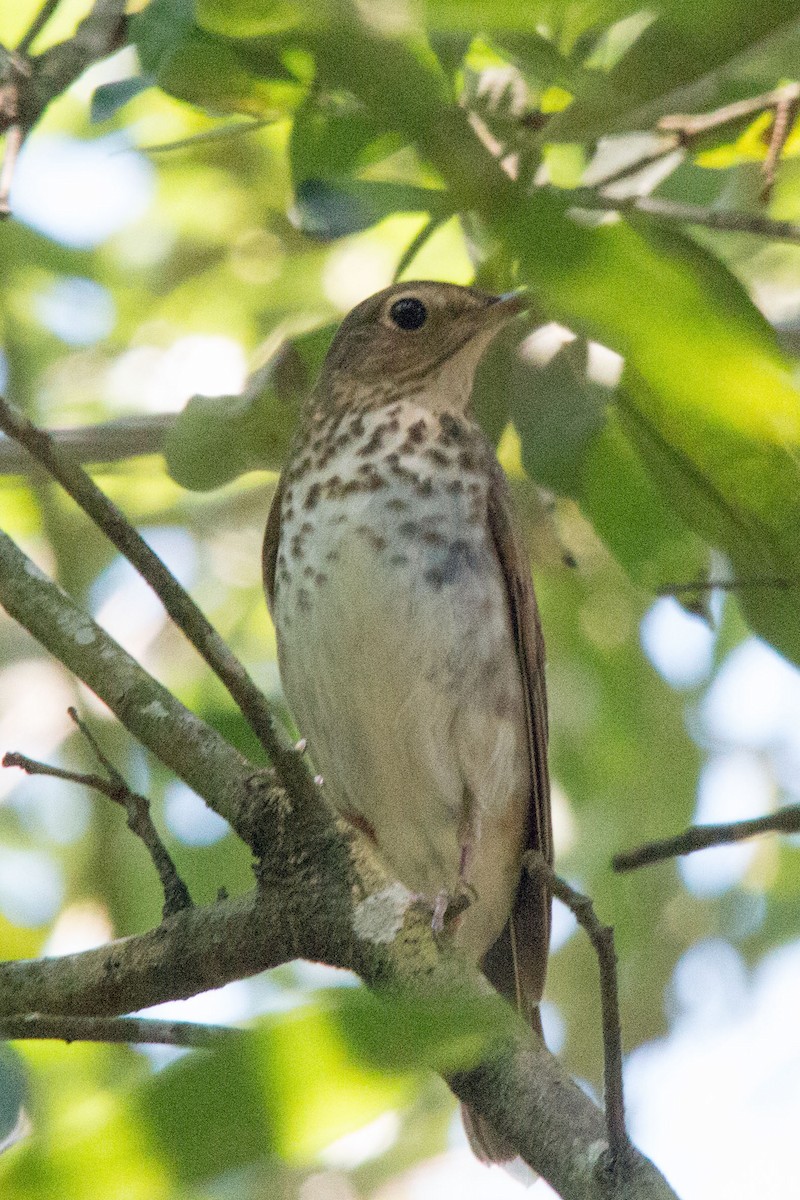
(408, 313)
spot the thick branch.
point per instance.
(521, 1088)
(189, 747)
(304, 908)
(700, 837)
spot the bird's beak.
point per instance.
(510, 303)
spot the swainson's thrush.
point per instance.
(408, 635)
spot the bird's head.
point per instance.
(420, 340)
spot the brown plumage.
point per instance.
(408, 634)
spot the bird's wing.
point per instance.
(269, 556)
(517, 962)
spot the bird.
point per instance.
(409, 641)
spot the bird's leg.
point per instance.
(440, 906)
(451, 907)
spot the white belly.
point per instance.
(398, 661)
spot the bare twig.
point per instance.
(140, 823)
(692, 214)
(691, 126)
(682, 131)
(700, 837)
(602, 938)
(180, 606)
(785, 112)
(37, 25)
(137, 810)
(726, 585)
(415, 245)
(145, 1031)
(629, 169)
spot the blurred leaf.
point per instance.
(634, 519)
(403, 1032)
(334, 209)
(331, 140)
(109, 98)
(558, 411)
(299, 1081)
(573, 442)
(217, 438)
(203, 68)
(250, 18)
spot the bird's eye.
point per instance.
(409, 313)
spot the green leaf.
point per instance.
(109, 98)
(250, 18)
(558, 411)
(690, 59)
(332, 140)
(298, 1082)
(334, 209)
(217, 438)
(634, 519)
(208, 70)
(708, 401)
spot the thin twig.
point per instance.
(415, 245)
(602, 938)
(137, 810)
(690, 126)
(177, 602)
(37, 25)
(143, 1031)
(692, 214)
(629, 169)
(140, 823)
(222, 132)
(726, 585)
(700, 837)
(785, 111)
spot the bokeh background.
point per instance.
(150, 260)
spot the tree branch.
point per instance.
(701, 837)
(177, 602)
(106, 442)
(602, 938)
(29, 84)
(145, 1031)
(37, 25)
(318, 899)
(692, 214)
(137, 809)
(521, 1088)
